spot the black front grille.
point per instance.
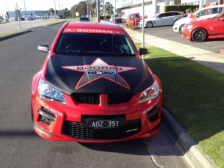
(79, 130)
(119, 98)
(86, 98)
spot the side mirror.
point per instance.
(44, 48)
(143, 51)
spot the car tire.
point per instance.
(180, 28)
(149, 25)
(199, 35)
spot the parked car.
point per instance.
(204, 13)
(133, 19)
(94, 87)
(118, 19)
(162, 19)
(12, 19)
(204, 29)
(22, 19)
(84, 19)
(61, 16)
(29, 18)
(0, 20)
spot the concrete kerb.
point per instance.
(187, 144)
(14, 35)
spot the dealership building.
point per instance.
(152, 7)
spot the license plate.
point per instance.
(101, 124)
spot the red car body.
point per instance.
(133, 19)
(72, 120)
(201, 30)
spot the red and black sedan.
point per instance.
(95, 87)
(204, 29)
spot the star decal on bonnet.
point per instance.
(100, 69)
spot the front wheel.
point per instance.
(149, 24)
(199, 35)
(180, 28)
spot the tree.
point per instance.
(51, 12)
(73, 11)
(66, 12)
(108, 8)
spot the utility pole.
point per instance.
(98, 10)
(55, 10)
(25, 8)
(114, 11)
(17, 10)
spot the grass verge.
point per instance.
(10, 33)
(193, 93)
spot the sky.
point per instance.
(35, 4)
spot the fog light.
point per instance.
(45, 116)
(152, 115)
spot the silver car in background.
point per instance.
(162, 19)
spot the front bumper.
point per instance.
(186, 34)
(69, 122)
(140, 24)
(176, 28)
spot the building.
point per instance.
(152, 7)
(26, 14)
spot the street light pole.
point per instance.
(98, 10)
(143, 29)
(25, 9)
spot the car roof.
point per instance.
(213, 6)
(93, 25)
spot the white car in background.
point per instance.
(203, 13)
(162, 19)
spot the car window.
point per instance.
(210, 11)
(161, 15)
(175, 13)
(167, 14)
(94, 44)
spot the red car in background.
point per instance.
(133, 19)
(204, 29)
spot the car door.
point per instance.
(159, 21)
(218, 26)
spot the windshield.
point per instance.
(94, 44)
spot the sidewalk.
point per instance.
(205, 57)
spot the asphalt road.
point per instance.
(21, 147)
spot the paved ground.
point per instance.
(21, 147)
(12, 26)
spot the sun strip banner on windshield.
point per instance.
(100, 31)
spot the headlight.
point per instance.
(150, 93)
(49, 93)
(187, 27)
